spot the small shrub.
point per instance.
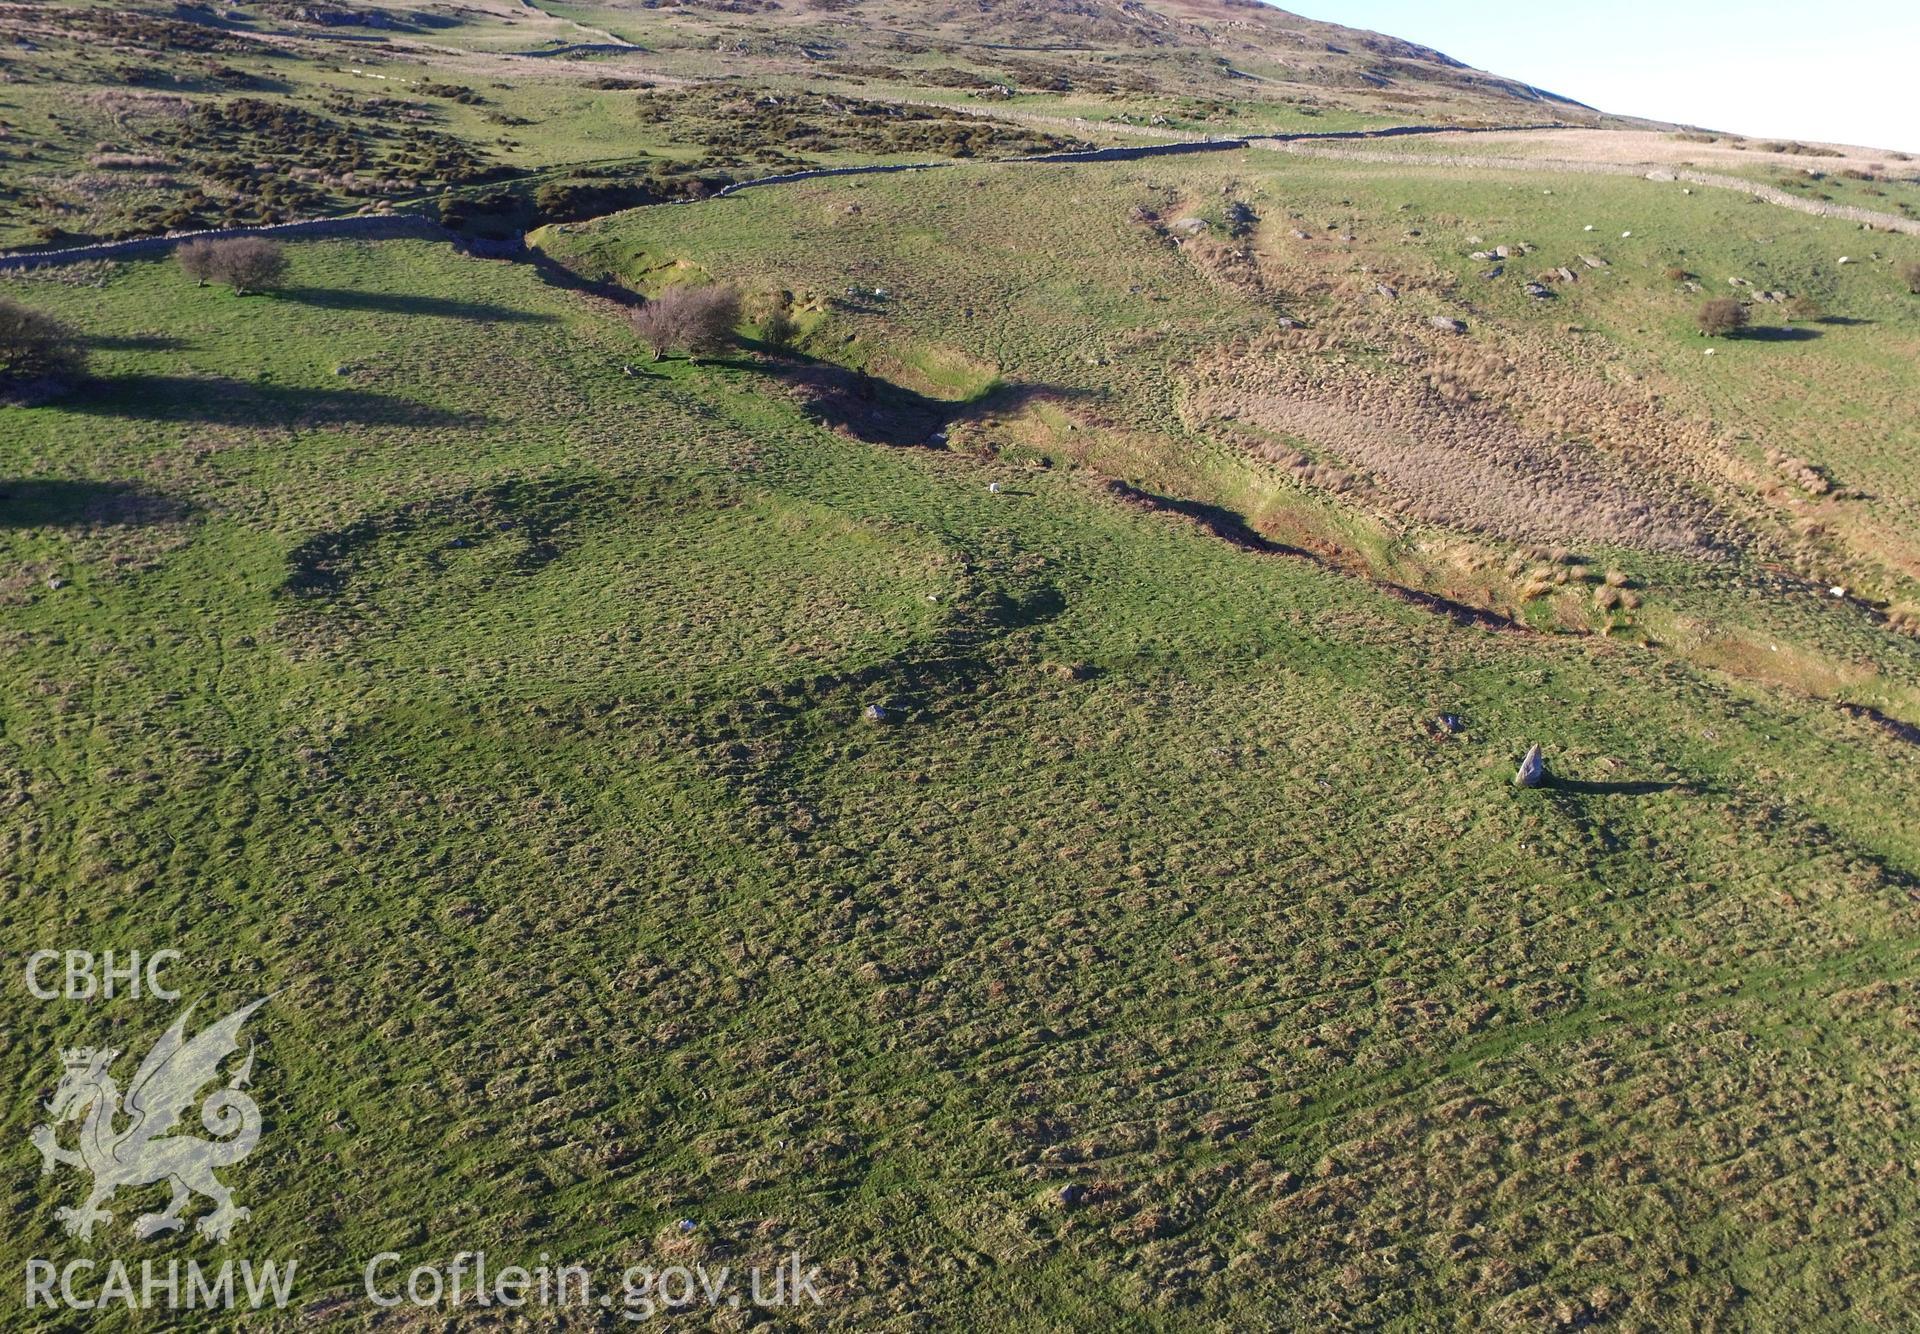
(1721, 316)
(778, 330)
(570, 201)
(196, 260)
(249, 263)
(695, 318)
(1809, 477)
(36, 349)
(1804, 308)
(496, 214)
(453, 92)
(771, 314)
(1677, 275)
(1910, 275)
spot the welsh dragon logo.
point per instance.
(133, 1144)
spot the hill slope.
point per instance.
(268, 111)
(1002, 786)
(1183, 48)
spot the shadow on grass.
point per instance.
(1770, 333)
(1037, 608)
(1216, 520)
(880, 412)
(403, 303)
(134, 342)
(556, 274)
(51, 502)
(1586, 787)
(1224, 524)
(1894, 727)
(220, 401)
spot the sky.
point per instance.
(1847, 72)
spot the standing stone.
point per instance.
(1533, 769)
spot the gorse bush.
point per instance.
(778, 330)
(1721, 316)
(772, 316)
(1803, 307)
(36, 349)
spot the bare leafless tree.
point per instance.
(695, 317)
(196, 260)
(1721, 316)
(244, 263)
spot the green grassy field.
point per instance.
(501, 714)
(1008, 797)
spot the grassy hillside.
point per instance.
(503, 714)
(132, 120)
(1591, 420)
(1007, 794)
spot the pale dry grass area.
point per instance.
(1463, 465)
(1515, 433)
(1596, 152)
(1648, 148)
